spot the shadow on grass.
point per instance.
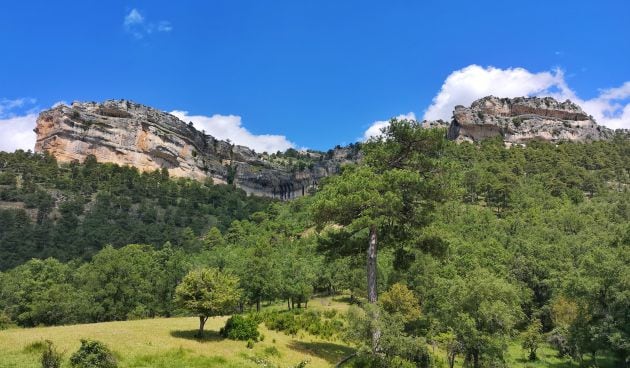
(347, 299)
(328, 351)
(192, 335)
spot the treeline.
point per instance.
(72, 211)
(139, 281)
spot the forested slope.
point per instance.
(480, 246)
(72, 211)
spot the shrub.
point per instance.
(302, 364)
(51, 358)
(240, 328)
(291, 322)
(330, 313)
(250, 344)
(93, 354)
(558, 340)
(5, 322)
(272, 351)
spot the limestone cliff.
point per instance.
(127, 133)
(523, 119)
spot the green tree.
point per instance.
(532, 338)
(208, 292)
(387, 197)
(399, 299)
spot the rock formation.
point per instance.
(523, 119)
(127, 133)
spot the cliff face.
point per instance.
(126, 133)
(522, 119)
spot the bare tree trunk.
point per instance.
(451, 359)
(202, 322)
(371, 266)
(371, 281)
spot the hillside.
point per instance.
(72, 211)
(488, 253)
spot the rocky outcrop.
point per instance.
(127, 133)
(522, 119)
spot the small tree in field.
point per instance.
(208, 292)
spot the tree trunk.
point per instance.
(289, 303)
(202, 322)
(476, 359)
(372, 293)
(257, 305)
(451, 359)
(371, 266)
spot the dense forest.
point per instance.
(74, 210)
(463, 246)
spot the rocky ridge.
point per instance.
(127, 133)
(522, 119)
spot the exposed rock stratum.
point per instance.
(127, 133)
(522, 119)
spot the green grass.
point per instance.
(170, 342)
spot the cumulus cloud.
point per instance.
(230, 127)
(610, 108)
(136, 25)
(17, 120)
(17, 133)
(375, 129)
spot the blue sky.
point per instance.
(316, 73)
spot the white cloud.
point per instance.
(230, 127)
(17, 120)
(135, 24)
(375, 129)
(7, 105)
(134, 17)
(611, 108)
(17, 133)
(164, 26)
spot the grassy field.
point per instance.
(170, 342)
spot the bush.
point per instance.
(93, 354)
(250, 344)
(558, 340)
(5, 322)
(291, 322)
(51, 358)
(240, 328)
(272, 351)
